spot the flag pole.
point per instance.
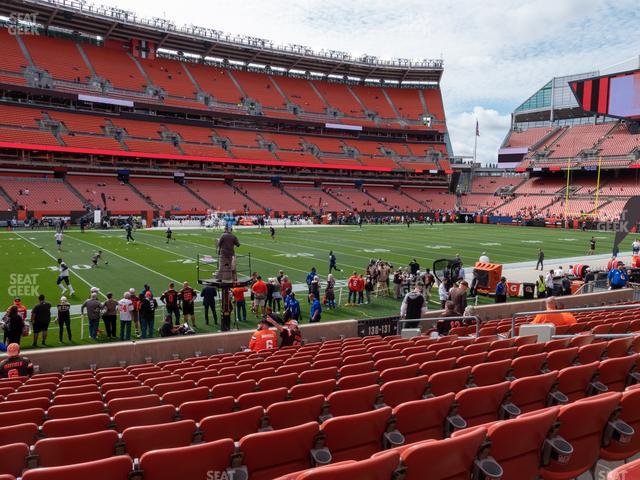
(475, 143)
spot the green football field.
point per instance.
(28, 258)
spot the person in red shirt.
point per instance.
(135, 313)
(264, 338)
(352, 283)
(259, 290)
(360, 289)
(187, 298)
(241, 303)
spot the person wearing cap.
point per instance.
(93, 308)
(618, 277)
(14, 365)
(40, 319)
(64, 318)
(264, 338)
(125, 307)
(14, 325)
(290, 334)
(148, 307)
(291, 307)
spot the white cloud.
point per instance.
(492, 126)
(497, 52)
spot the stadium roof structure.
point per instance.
(106, 23)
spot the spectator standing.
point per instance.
(316, 310)
(548, 281)
(22, 311)
(208, 295)
(40, 319)
(241, 303)
(135, 313)
(148, 307)
(414, 305)
(170, 300)
(501, 291)
(259, 290)
(352, 285)
(285, 286)
(187, 297)
(618, 277)
(109, 315)
(14, 325)
(542, 287)
(458, 296)
(443, 292)
(64, 318)
(276, 295)
(291, 307)
(329, 292)
(315, 287)
(93, 309)
(125, 307)
(444, 326)
(290, 334)
(397, 284)
(368, 288)
(310, 276)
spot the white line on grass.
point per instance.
(99, 247)
(56, 259)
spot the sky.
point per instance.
(496, 53)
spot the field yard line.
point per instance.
(99, 247)
(56, 259)
(161, 248)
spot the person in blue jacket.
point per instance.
(501, 291)
(618, 277)
(312, 274)
(316, 309)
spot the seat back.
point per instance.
(144, 416)
(197, 410)
(294, 445)
(234, 425)
(76, 426)
(423, 419)
(139, 440)
(532, 393)
(54, 452)
(295, 412)
(356, 437)
(355, 400)
(481, 404)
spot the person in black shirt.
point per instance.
(129, 229)
(167, 329)
(40, 319)
(208, 295)
(64, 317)
(14, 325)
(14, 365)
(413, 306)
(414, 267)
(290, 334)
(170, 299)
(187, 297)
(592, 246)
(148, 307)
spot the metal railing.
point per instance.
(435, 320)
(570, 310)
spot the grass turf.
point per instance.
(28, 266)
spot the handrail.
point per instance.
(570, 310)
(461, 317)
